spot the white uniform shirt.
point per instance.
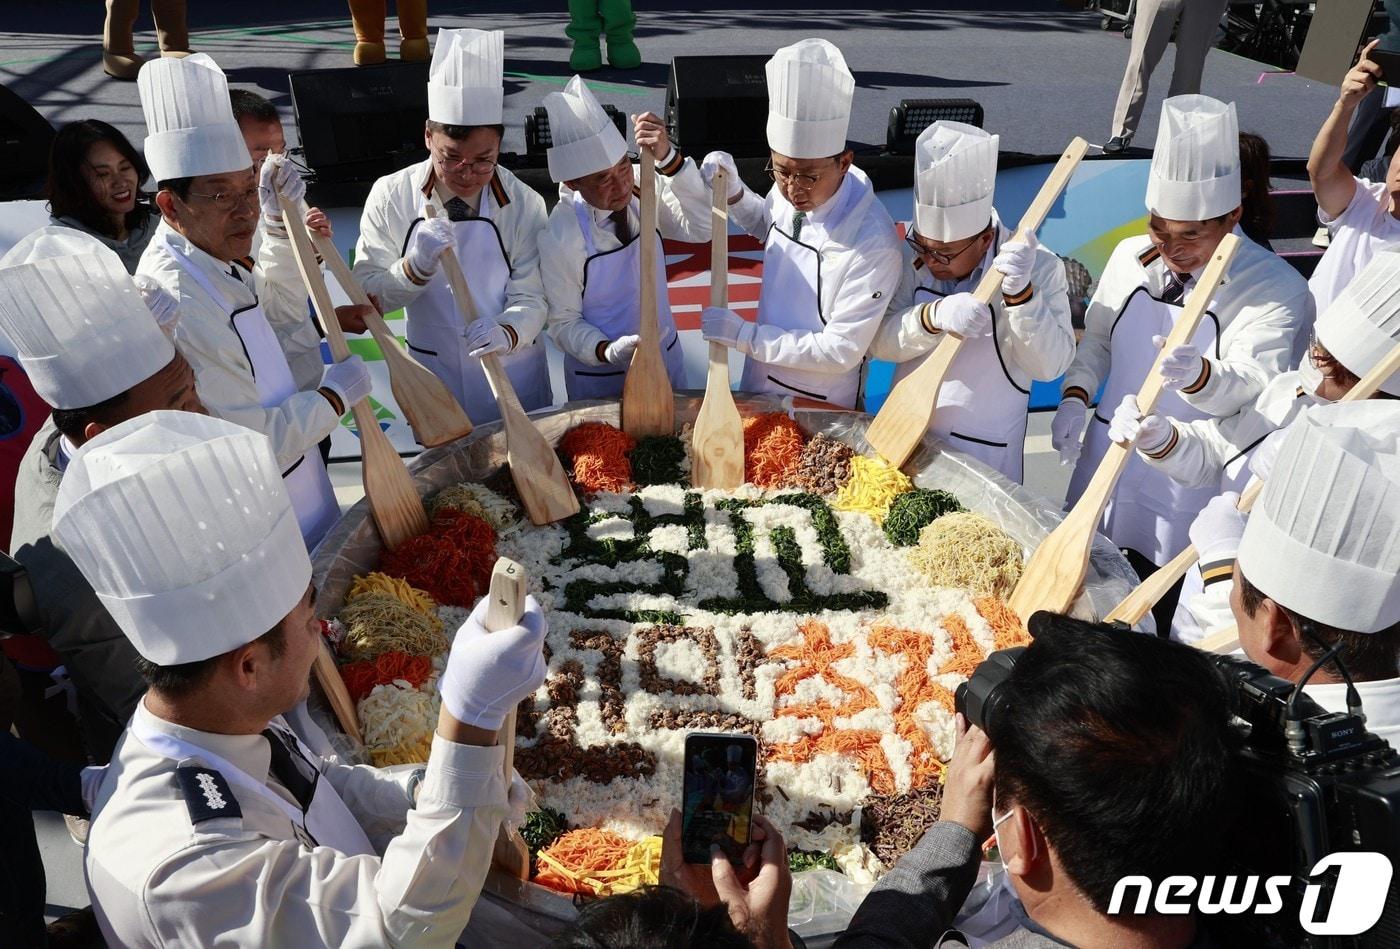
(682, 214)
(159, 879)
(206, 338)
(300, 340)
(1263, 307)
(858, 278)
(517, 211)
(1380, 700)
(1356, 234)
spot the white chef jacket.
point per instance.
(206, 338)
(1033, 337)
(682, 214)
(159, 877)
(1380, 700)
(1356, 234)
(858, 277)
(1262, 307)
(517, 211)
(300, 339)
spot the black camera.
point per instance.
(19, 610)
(982, 694)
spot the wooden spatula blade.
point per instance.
(648, 403)
(717, 440)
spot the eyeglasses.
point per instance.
(476, 167)
(796, 182)
(229, 200)
(945, 259)
(1322, 360)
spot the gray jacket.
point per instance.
(129, 250)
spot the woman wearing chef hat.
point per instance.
(831, 256)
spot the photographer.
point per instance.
(1319, 564)
(1112, 758)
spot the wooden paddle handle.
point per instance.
(719, 239)
(1227, 640)
(333, 687)
(647, 326)
(311, 276)
(505, 605)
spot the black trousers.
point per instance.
(1161, 613)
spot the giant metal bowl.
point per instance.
(522, 911)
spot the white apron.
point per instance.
(435, 324)
(308, 485)
(611, 296)
(1149, 511)
(327, 822)
(981, 410)
(791, 299)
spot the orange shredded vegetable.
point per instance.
(579, 861)
(361, 677)
(914, 687)
(599, 455)
(1006, 625)
(451, 563)
(772, 449)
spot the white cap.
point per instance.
(1362, 325)
(955, 175)
(183, 527)
(583, 139)
(1324, 538)
(466, 78)
(1195, 173)
(809, 100)
(190, 126)
(76, 319)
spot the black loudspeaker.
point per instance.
(362, 122)
(718, 102)
(25, 139)
(539, 139)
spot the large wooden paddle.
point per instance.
(717, 440)
(648, 404)
(534, 467)
(1136, 605)
(908, 411)
(431, 409)
(504, 606)
(1056, 570)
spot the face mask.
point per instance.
(1309, 376)
(997, 822)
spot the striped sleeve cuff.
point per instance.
(1021, 298)
(925, 314)
(1075, 392)
(1200, 383)
(1166, 449)
(1216, 571)
(672, 164)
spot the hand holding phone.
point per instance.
(717, 795)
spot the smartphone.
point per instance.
(717, 795)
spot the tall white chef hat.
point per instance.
(1195, 173)
(583, 138)
(955, 175)
(809, 100)
(466, 77)
(76, 319)
(1324, 539)
(189, 122)
(1362, 325)
(182, 525)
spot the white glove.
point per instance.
(964, 314)
(522, 800)
(1015, 262)
(619, 351)
(349, 380)
(1216, 531)
(1261, 460)
(488, 674)
(425, 248)
(485, 337)
(1128, 427)
(719, 325)
(1180, 367)
(162, 304)
(1067, 429)
(278, 175)
(726, 161)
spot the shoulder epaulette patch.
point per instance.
(247, 263)
(498, 190)
(636, 191)
(207, 794)
(1147, 257)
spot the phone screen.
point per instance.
(717, 803)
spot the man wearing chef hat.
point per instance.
(95, 354)
(214, 823)
(1256, 326)
(831, 258)
(590, 251)
(1026, 334)
(490, 219)
(209, 198)
(1319, 560)
(1359, 329)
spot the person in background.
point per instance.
(831, 260)
(490, 219)
(368, 18)
(1194, 23)
(590, 249)
(1082, 748)
(650, 917)
(589, 19)
(1025, 334)
(94, 185)
(1362, 215)
(119, 57)
(1256, 198)
(260, 124)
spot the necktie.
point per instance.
(1176, 288)
(798, 217)
(622, 226)
(291, 768)
(458, 210)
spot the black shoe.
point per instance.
(1116, 144)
